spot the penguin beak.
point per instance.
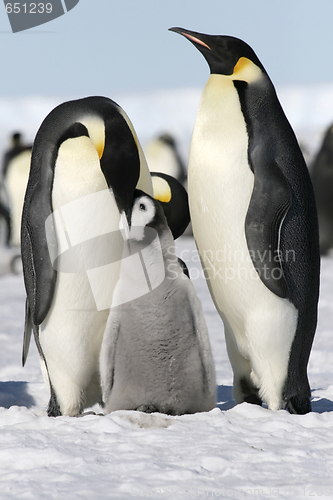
(124, 204)
(120, 163)
(128, 214)
(124, 226)
(214, 48)
(199, 40)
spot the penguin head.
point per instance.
(226, 55)
(118, 151)
(112, 135)
(146, 213)
(174, 200)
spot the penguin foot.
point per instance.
(299, 406)
(148, 408)
(53, 409)
(88, 413)
(253, 399)
(250, 392)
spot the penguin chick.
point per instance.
(156, 353)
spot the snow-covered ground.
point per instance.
(231, 452)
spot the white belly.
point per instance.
(220, 186)
(72, 332)
(17, 179)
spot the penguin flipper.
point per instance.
(27, 332)
(184, 267)
(108, 354)
(38, 237)
(203, 338)
(269, 204)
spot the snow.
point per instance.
(231, 452)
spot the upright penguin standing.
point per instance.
(255, 224)
(156, 354)
(322, 179)
(163, 156)
(15, 172)
(86, 164)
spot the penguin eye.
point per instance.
(142, 207)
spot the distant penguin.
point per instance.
(174, 200)
(5, 226)
(162, 155)
(255, 225)
(156, 355)
(15, 174)
(322, 179)
(86, 164)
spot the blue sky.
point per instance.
(111, 46)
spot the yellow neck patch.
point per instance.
(246, 70)
(96, 131)
(161, 188)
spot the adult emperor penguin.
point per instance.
(162, 155)
(15, 172)
(255, 224)
(322, 178)
(174, 200)
(86, 164)
(156, 354)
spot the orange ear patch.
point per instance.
(242, 64)
(162, 191)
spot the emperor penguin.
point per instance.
(162, 155)
(86, 163)
(174, 200)
(255, 225)
(156, 354)
(322, 178)
(15, 174)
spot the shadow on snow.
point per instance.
(15, 394)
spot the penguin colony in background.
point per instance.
(322, 179)
(255, 225)
(15, 174)
(86, 163)
(156, 354)
(162, 156)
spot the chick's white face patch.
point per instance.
(142, 214)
